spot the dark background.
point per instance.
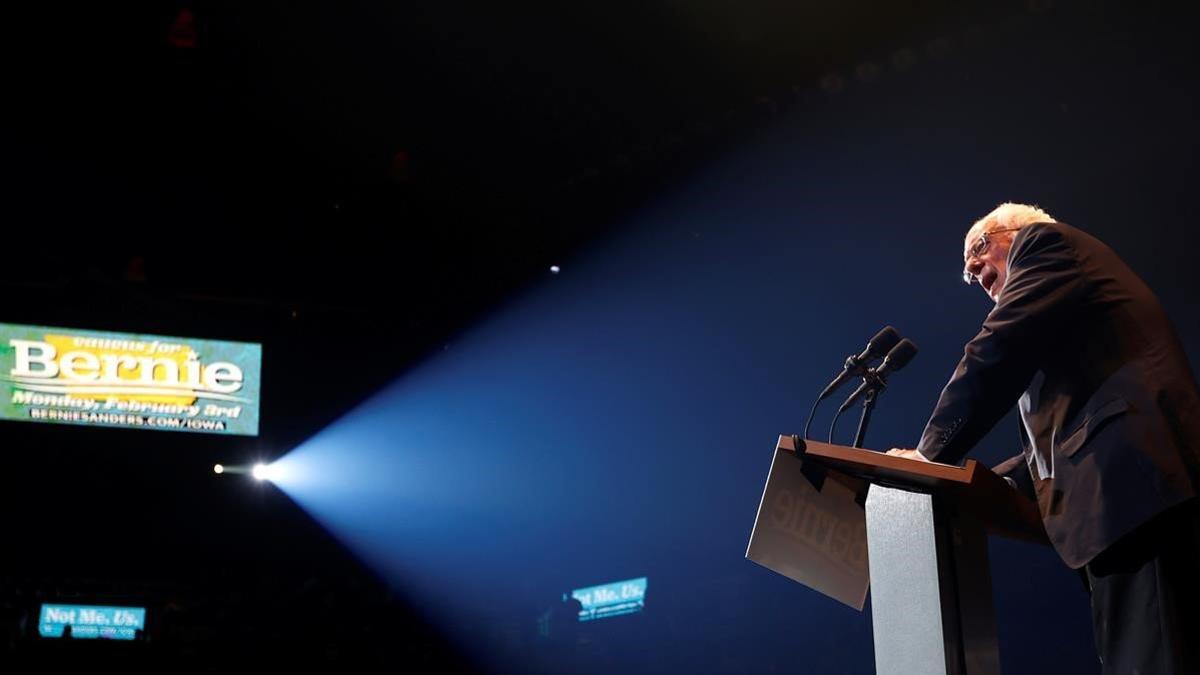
(738, 195)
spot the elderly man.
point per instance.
(1110, 426)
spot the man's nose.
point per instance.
(973, 266)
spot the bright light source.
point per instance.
(217, 468)
(555, 269)
(270, 472)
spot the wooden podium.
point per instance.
(926, 528)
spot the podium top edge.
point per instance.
(1001, 509)
(863, 461)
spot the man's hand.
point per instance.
(907, 454)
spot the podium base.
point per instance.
(931, 593)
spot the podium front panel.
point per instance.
(817, 537)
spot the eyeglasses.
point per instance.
(977, 249)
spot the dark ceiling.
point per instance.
(290, 173)
(433, 156)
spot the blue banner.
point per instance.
(613, 599)
(90, 621)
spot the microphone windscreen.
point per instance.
(900, 355)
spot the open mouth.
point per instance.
(987, 280)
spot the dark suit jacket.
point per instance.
(1110, 412)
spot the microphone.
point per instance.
(876, 378)
(884, 340)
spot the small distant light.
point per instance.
(217, 468)
(259, 472)
(555, 269)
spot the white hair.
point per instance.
(1009, 216)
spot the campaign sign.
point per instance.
(69, 376)
(91, 622)
(613, 599)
